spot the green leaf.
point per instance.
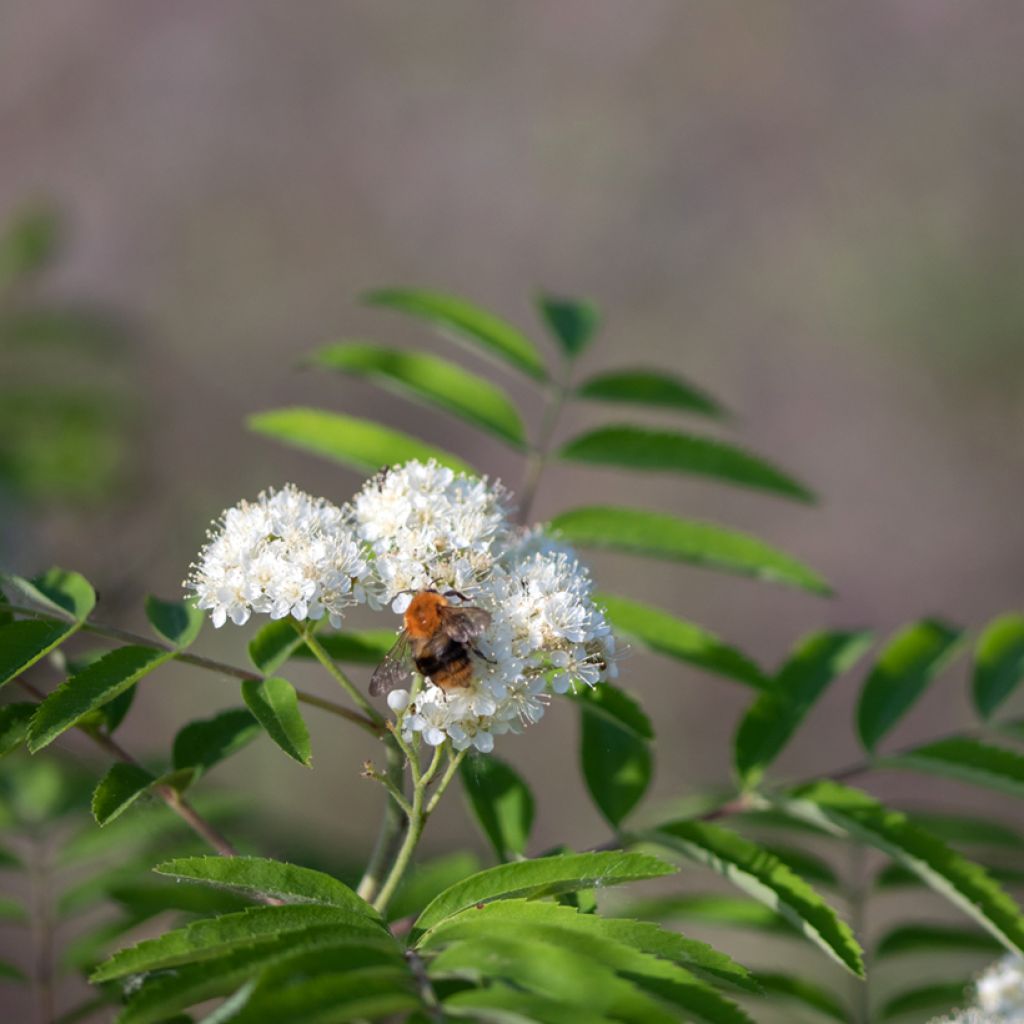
(260, 876)
(927, 1000)
(362, 444)
(112, 714)
(28, 242)
(24, 643)
(763, 876)
(935, 938)
(331, 998)
(802, 991)
(774, 716)
(650, 388)
(545, 876)
(220, 935)
(661, 536)
(502, 1004)
(274, 703)
(433, 381)
(807, 865)
(516, 949)
(14, 723)
(642, 448)
(658, 631)
(501, 803)
(273, 645)
(425, 881)
(553, 970)
(615, 754)
(965, 884)
(903, 671)
(640, 935)
(998, 662)
(708, 908)
(301, 955)
(150, 898)
(202, 744)
(572, 323)
(365, 647)
(58, 590)
(101, 682)
(896, 876)
(118, 790)
(968, 760)
(966, 829)
(463, 321)
(178, 622)
(776, 818)
(9, 972)
(11, 911)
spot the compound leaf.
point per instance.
(501, 802)
(906, 666)
(464, 321)
(662, 536)
(641, 448)
(362, 444)
(431, 380)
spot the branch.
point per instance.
(750, 801)
(168, 794)
(219, 667)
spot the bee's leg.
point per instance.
(483, 657)
(456, 593)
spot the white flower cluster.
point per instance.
(998, 995)
(545, 634)
(414, 527)
(284, 554)
(430, 527)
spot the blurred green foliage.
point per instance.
(64, 405)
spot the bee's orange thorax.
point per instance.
(423, 616)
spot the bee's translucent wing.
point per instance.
(394, 669)
(463, 625)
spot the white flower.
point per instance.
(546, 634)
(999, 995)
(285, 554)
(1000, 989)
(428, 526)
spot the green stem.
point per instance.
(539, 454)
(393, 788)
(343, 680)
(392, 829)
(856, 898)
(449, 772)
(417, 821)
(42, 930)
(411, 757)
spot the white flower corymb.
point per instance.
(428, 526)
(286, 553)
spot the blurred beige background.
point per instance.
(814, 210)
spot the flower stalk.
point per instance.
(419, 811)
(321, 655)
